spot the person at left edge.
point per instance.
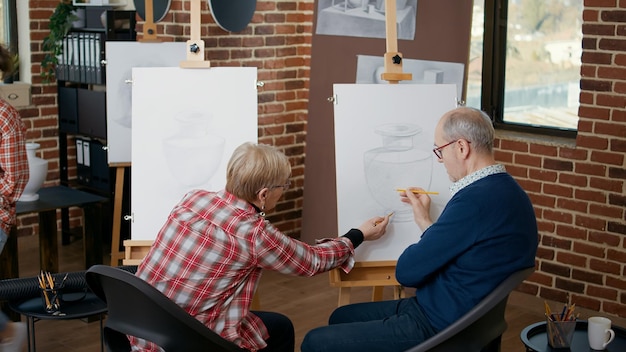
(13, 179)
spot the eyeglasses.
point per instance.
(437, 150)
(285, 186)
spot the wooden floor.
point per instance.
(307, 301)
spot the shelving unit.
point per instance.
(82, 105)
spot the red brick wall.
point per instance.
(579, 192)
(578, 189)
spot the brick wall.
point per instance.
(578, 188)
(579, 191)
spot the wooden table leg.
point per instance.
(93, 234)
(48, 242)
(9, 267)
(66, 237)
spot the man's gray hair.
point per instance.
(472, 125)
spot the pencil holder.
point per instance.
(51, 299)
(560, 333)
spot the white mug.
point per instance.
(599, 332)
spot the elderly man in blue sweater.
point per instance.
(486, 232)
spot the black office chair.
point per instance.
(482, 327)
(137, 308)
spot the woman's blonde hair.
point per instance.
(253, 167)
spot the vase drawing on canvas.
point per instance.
(398, 163)
(38, 171)
(193, 153)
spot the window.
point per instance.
(525, 60)
(8, 19)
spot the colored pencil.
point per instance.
(416, 191)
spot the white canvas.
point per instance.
(368, 173)
(122, 56)
(186, 124)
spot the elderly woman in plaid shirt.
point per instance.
(209, 255)
(13, 179)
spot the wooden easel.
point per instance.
(393, 58)
(377, 274)
(149, 35)
(195, 45)
(149, 27)
(120, 173)
(195, 59)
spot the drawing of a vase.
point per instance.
(193, 154)
(397, 164)
(38, 171)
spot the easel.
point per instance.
(377, 274)
(120, 173)
(149, 27)
(393, 59)
(136, 250)
(195, 45)
(149, 35)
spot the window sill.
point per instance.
(554, 141)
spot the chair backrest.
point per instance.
(137, 308)
(482, 327)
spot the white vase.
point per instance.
(38, 170)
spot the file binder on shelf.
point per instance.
(83, 49)
(83, 161)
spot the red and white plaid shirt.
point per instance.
(13, 163)
(208, 259)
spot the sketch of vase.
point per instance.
(397, 164)
(193, 154)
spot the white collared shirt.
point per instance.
(475, 176)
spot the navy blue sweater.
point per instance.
(486, 232)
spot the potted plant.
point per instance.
(10, 76)
(60, 24)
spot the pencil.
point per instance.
(416, 191)
(378, 222)
(548, 310)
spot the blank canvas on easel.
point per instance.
(186, 124)
(122, 56)
(383, 141)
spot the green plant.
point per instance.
(11, 75)
(60, 24)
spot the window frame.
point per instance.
(494, 68)
(11, 14)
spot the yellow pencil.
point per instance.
(416, 191)
(548, 310)
(378, 222)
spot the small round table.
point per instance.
(535, 339)
(76, 305)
